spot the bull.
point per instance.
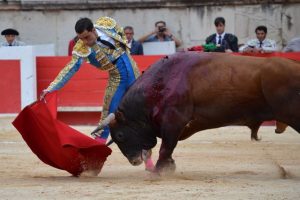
(189, 92)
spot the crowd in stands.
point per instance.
(221, 41)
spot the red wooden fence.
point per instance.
(10, 86)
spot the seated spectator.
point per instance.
(293, 45)
(261, 44)
(136, 48)
(160, 34)
(10, 37)
(72, 44)
(225, 42)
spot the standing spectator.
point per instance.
(72, 44)
(136, 48)
(10, 36)
(225, 42)
(261, 44)
(160, 34)
(293, 45)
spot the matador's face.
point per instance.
(89, 38)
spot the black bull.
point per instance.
(189, 92)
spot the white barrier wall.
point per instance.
(27, 56)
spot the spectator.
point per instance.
(225, 42)
(160, 34)
(10, 36)
(293, 45)
(136, 48)
(72, 44)
(261, 44)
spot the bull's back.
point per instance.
(228, 89)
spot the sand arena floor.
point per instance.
(215, 164)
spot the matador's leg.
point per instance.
(110, 91)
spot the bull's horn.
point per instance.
(104, 123)
(110, 142)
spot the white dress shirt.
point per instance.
(105, 37)
(14, 43)
(266, 45)
(218, 38)
(129, 43)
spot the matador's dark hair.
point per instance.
(84, 24)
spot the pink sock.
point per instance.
(149, 164)
(101, 140)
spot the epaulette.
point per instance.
(81, 50)
(105, 23)
(110, 27)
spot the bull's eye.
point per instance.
(120, 136)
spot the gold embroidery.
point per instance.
(63, 72)
(135, 68)
(81, 50)
(105, 23)
(120, 31)
(102, 57)
(113, 83)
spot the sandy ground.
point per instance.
(215, 164)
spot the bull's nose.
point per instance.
(136, 161)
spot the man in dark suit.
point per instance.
(225, 42)
(136, 47)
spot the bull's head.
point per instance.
(133, 137)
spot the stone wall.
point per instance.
(191, 21)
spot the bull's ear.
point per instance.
(120, 116)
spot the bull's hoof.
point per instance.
(256, 139)
(279, 131)
(280, 127)
(165, 166)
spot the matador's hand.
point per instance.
(43, 94)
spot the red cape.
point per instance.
(57, 144)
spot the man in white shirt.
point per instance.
(261, 44)
(10, 37)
